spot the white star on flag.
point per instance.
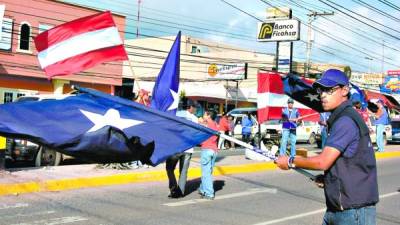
(111, 118)
(312, 97)
(175, 103)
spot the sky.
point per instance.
(338, 38)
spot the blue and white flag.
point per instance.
(356, 94)
(102, 128)
(302, 91)
(165, 95)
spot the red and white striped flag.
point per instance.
(271, 99)
(79, 44)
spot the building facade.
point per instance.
(20, 72)
(197, 55)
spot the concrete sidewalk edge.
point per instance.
(136, 177)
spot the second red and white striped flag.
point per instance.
(271, 99)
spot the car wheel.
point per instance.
(47, 157)
(312, 139)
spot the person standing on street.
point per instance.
(290, 117)
(348, 159)
(224, 128)
(209, 151)
(381, 119)
(247, 124)
(177, 190)
(323, 118)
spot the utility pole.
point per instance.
(311, 17)
(138, 18)
(383, 57)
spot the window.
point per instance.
(8, 97)
(24, 37)
(194, 49)
(20, 94)
(6, 34)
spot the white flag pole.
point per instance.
(267, 154)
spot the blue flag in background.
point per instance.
(356, 94)
(165, 95)
(101, 127)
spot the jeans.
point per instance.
(207, 161)
(379, 136)
(246, 137)
(184, 161)
(288, 134)
(361, 216)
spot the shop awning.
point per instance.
(208, 89)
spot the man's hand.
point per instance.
(282, 162)
(319, 181)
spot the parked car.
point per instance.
(23, 150)
(395, 130)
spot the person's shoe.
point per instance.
(207, 197)
(201, 193)
(175, 193)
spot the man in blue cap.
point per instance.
(347, 159)
(290, 117)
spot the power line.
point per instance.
(384, 32)
(360, 2)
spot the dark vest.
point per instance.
(352, 182)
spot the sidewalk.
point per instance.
(29, 180)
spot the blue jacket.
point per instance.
(286, 115)
(246, 125)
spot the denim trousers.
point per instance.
(207, 161)
(288, 134)
(184, 161)
(361, 216)
(379, 136)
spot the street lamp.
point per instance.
(370, 59)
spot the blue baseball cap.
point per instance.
(332, 78)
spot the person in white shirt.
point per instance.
(177, 190)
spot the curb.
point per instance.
(138, 177)
(126, 178)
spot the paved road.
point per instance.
(273, 197)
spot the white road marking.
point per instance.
(312, 212)
(292, 217)
(55, 221)
(17, 205)
(219, 197)
(389, 194)
(28, 214)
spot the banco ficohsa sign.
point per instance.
(279, 30)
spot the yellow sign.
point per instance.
(2, 143)
(213, 70)
(265, 30)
